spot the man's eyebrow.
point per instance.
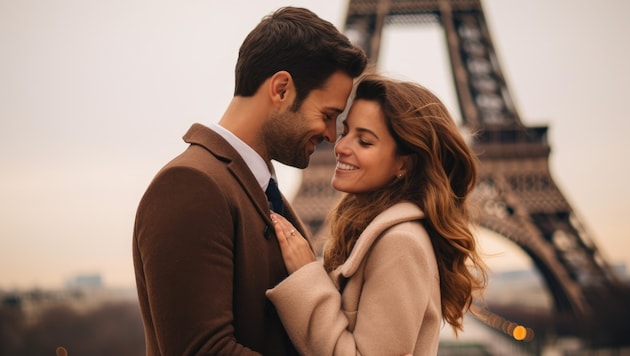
(330, 108)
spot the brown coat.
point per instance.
(390, 300)
(204, 255)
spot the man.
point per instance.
(203, 246)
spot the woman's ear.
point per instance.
(404, 166)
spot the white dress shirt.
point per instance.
(254, 161)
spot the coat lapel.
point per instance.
(220, 148)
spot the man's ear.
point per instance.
(280, 85)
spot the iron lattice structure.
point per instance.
(515, 191)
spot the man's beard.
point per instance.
(285, 139)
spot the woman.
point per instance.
(401, 258)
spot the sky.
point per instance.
(96, 95)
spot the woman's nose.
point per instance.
(341, 148)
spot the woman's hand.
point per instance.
(296, 251)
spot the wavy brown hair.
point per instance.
(439, 180)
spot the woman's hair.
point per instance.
(439, 179)
(298, 41)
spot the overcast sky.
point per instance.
(95, 96)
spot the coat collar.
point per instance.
(396, 214)
(201, 135)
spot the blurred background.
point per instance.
(95, 96)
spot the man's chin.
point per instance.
(302, 164)
(299, 163)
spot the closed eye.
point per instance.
(364, 143)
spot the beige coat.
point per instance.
(390, 300)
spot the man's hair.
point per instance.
(295, 40)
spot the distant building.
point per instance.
(85, 281)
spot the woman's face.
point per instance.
(365, 151)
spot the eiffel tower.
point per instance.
(515, 192)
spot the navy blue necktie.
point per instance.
(274, 197)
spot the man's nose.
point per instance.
(331, 131)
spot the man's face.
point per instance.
(292, 136)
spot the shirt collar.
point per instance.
(252, 159)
